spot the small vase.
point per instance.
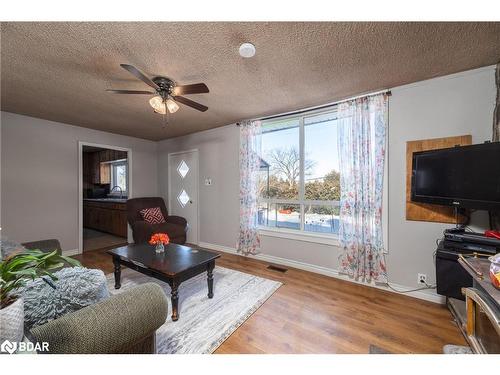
(159, 248)
(12, 322)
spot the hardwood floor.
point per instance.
(95, 240)
(312, 313)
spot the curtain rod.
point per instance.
(388, 92)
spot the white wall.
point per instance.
(452, 105)
(39, 176)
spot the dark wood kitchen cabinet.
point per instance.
(111, 155)
(109, 217)
(91, 168)
(97, 167)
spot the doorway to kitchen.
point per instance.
(104, 187)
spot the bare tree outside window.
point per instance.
(285, 172)
(285, 163)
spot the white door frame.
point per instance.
(197, 178)
(80, 185)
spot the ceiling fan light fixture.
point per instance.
(172, 105)
(163, 102)
(161, 106)
(157, 103)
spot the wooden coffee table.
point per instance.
(177, 264)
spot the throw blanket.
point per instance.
(76, 287)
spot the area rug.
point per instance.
(204, 324)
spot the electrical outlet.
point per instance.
(208, 181)
(422, 278)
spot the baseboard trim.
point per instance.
(71, 252)
(327, 272)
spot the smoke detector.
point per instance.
(247, 50)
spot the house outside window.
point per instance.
(299, 174)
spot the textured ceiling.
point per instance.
(59, 71)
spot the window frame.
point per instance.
(301, 233)
(114, 165)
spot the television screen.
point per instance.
(465, 176)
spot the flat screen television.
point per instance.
(463, 176)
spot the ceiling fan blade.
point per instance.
(196, 88)
(139, 75)
(190, 103)
(131, 92)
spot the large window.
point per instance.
(299, 178)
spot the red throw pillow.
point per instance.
(152, 215)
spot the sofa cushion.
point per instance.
(152, 215)
(75, 288)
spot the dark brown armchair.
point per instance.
(175, 226)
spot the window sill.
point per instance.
(324, 239)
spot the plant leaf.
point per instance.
(30, 272)
(54, 265)
(71, 261)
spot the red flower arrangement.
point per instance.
(159, 238)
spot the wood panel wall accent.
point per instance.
(424, 211)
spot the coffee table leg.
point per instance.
(210, 279)
(174, 297)
(118, 272)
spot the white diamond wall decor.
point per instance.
(183, 198)
(183, 169)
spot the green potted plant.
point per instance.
(15, 270)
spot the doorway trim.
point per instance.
(197, 179)
(80, 185)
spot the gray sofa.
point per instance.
(124, 323)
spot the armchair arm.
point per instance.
(111, 326)
(176, 220)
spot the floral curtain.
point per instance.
(250, 147)
(362, 133)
